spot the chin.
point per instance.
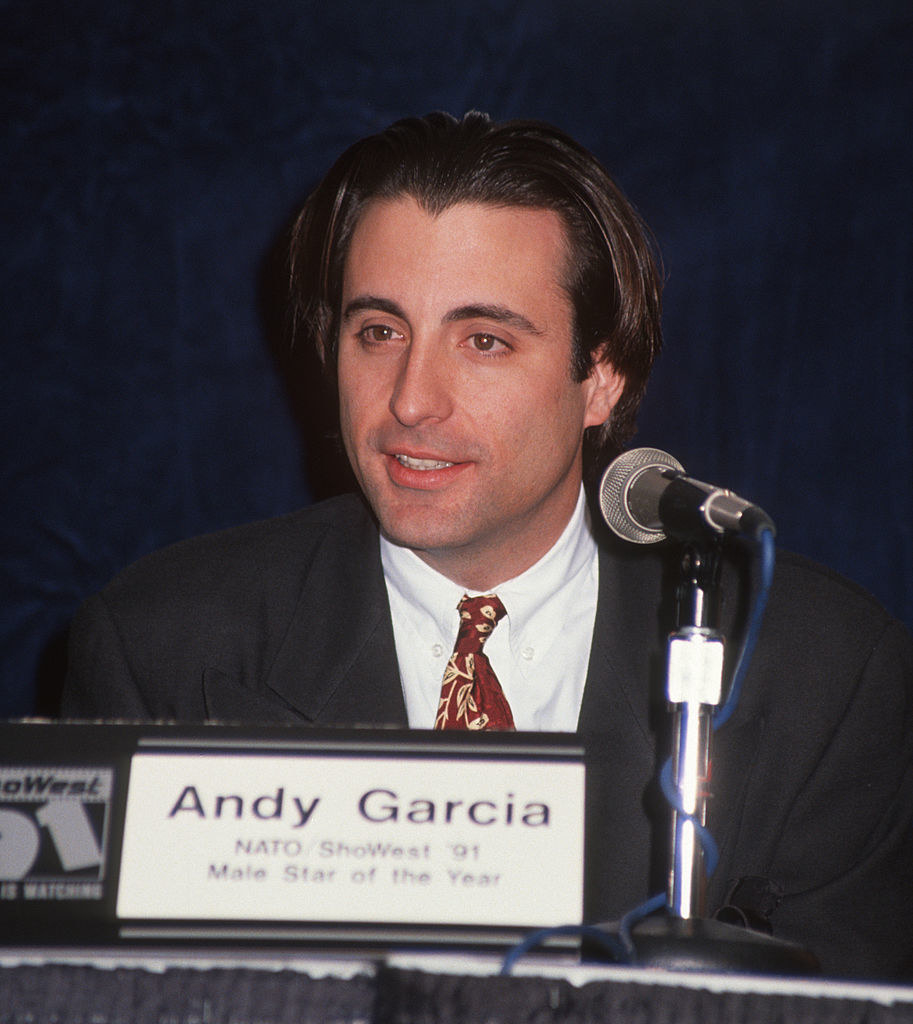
(429, 532)
(416, 538)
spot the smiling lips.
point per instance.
(422, 474)
(421, 464)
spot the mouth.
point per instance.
(421, 464)
(421, 471)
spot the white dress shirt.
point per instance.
(539, 651)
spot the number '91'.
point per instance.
(460, 851)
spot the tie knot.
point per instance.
(478, 617)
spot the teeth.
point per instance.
(405, 460)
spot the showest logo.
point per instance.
(53, 831)
(28, 785)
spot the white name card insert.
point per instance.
(483, 841)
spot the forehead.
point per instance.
(485, 251)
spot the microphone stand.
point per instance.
(682, 937)
(694, 687)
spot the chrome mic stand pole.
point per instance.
(694, 689)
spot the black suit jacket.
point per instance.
(288, 621)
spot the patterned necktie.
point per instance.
(471, 696)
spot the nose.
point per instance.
(421, 391)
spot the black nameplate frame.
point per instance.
(82, 860)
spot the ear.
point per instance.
(602, 388)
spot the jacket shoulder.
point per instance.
(236, 558)
(221, 603)
(818, 608)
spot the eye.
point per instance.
(488, 343)
(377, 334)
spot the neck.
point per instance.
(482, 569)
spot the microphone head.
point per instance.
(615, 488)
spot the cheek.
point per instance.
(344, 391)
(563, 411)
(355, 393)
(351, 419)
(532, 423)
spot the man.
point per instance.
(487, 304)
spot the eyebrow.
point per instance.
(499, 314)
(372, 302)
(472, 311)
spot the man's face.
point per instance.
(458, 408)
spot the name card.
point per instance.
(321, 837)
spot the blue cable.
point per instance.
(768, 559)
(605, 939)
(705, 838)
(627, 923)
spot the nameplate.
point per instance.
(483, 840)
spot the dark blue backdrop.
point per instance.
(153, 152)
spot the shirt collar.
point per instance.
(433, 595)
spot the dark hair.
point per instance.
(612, 275)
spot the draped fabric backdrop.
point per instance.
(152, 154)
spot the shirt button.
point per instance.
(528, 653)
(437, 650)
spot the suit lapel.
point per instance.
(622, 674)
(337, 662)
(615, 723)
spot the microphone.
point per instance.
(646, 497)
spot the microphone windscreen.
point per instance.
(615, 493)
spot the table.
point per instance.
(171, 986)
